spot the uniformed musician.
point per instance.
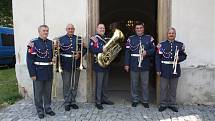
(70, 56)
(39, 63)
(96, 46)
(139, 48)
(169, 55)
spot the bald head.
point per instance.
(70, 29)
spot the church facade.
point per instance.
(193, 20)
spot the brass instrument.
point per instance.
(112, 48)
(175, 62)
(56, 55)
(141, 50)
(81, 53)
(56, 64)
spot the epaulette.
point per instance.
(94, 39)
(128, 40)
(159, 44)
(132, 36)
(163, 41)
(178, 41)
(152, 39)
(31, 42)
(34, 39)
(31, 46)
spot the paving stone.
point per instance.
(24, 110)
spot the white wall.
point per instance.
(26, 22)
(58, 14)
(28, 15)
(194, 21)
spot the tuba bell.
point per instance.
(112, 48)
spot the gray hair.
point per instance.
(45, 26)
(69, 24)
(171, 28)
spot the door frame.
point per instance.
(163, 23)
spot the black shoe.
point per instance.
(162, 108)
(41, 115)
(74, 106)
(134, 104)
(67, 108)
(108, 102)
(173, 108)
(51, 113)
(146, 105)
(99, 106)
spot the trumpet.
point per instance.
(140, 58)
(175, 62)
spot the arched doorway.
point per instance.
(156, 24)
(124, 14)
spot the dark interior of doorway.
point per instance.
(123, 15)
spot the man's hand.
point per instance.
(77, 56)
(144, 54)
(104, 49)
(33, 78)
(158, 73)
(126, 68)
(84, 45)
(54, 60)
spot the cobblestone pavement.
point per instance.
(24, 110)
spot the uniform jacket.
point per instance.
(95, 46)
(132, 48)
(68, 45)
(165, 53)
(40, 51)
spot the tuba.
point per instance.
(112, 48)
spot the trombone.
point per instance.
(78, 50)
(56, 64)
(57, 55)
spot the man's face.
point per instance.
(100, 29)
(70, 29)
(171, 35)
(139, 29)
(43, 32)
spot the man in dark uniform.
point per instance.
(170, 53)
(96, 46)
(70, 47)
(39, 63)
(139, 48)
